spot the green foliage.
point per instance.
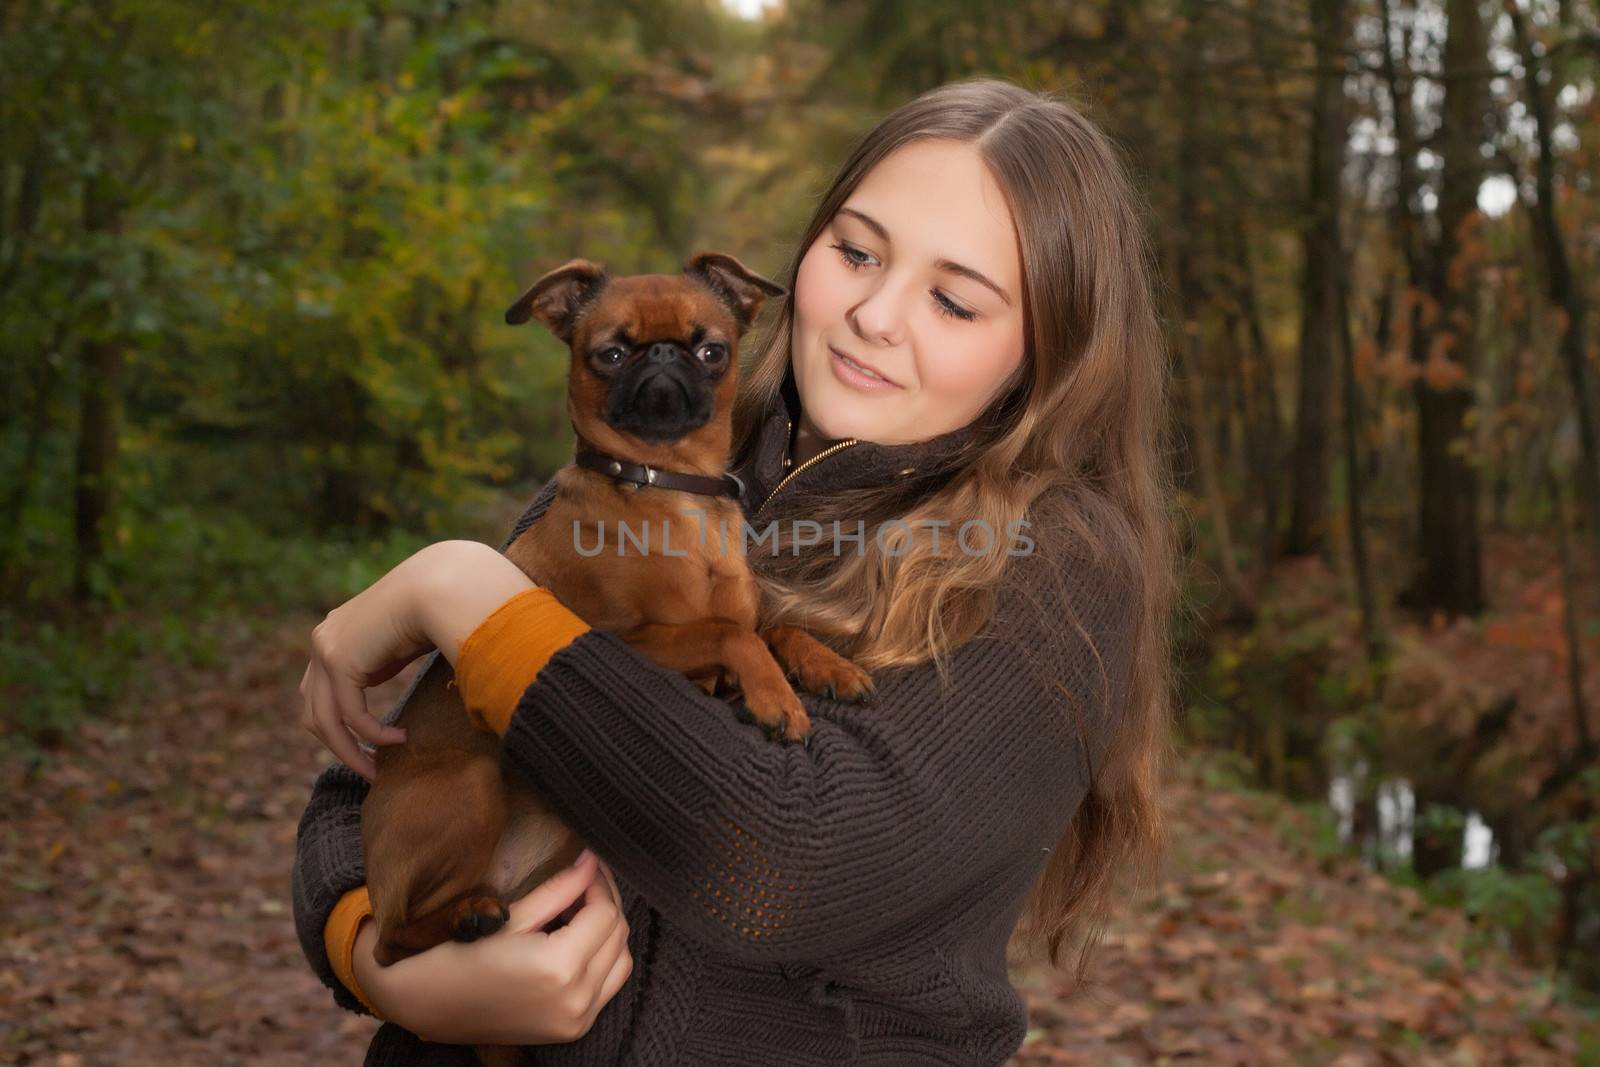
(1500, 903)
(1225, 769)
(1275, 691)
(1322, 844)
(180, 581)
(1440, 823)
(1351, 737)
(1588, 1048)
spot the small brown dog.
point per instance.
(448, 840)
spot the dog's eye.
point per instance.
(712, 353)
(610, 357)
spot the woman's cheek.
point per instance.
(812, 287)
(994, 360)
(956, 369)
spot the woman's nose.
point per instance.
(880, 318)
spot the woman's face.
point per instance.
(918, 277)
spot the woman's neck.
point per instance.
(807, 442)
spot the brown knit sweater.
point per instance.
(845, 901)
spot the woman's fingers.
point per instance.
(337, 716)
(611, 880)
(552, 896)
(621, 968)
(602, 969)
(329, 726)
(363, 642)
(568, 976)
(594, 923)
(614, 946)
(352, 704)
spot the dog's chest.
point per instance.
(662, 558)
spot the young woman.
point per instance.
(970, 370)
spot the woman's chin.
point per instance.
(850, 410)
(848, 423)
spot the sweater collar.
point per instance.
(840, 464)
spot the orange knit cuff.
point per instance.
(501, 658)
(339, 938)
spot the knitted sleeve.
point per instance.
(328, 861)
(883, 820)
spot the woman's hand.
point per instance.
(434, 599)
(518, 986)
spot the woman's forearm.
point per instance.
(464, 584)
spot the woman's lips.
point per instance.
(855, 378)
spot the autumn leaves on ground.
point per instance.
(144, 866)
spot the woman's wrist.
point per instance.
(374, 991)
(463, 583)
(382, 988)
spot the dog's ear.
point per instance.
(743, 290)
(558, 297)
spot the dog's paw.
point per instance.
(839, 680)
(795, 727)
(791, 731)
(862, 694)
(478, 917)
(780, 734)
(780, 713)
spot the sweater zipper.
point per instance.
(837, 446)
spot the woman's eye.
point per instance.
(849, 254)
(946, 307)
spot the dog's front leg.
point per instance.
(709, 645)
(818, 668)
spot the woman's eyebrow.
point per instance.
(947, 265)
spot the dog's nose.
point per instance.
(664, 352)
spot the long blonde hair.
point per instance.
(1082, 421)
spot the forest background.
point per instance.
(253, 260)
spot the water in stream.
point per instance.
(1396, 814)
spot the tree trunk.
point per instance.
(1355, 490)
(1450, 575)
(1187, 343)
(24, 221)
(99, 412)
(1407, 212)
(1264, 430)
(1320, 283)
(37, 398)
(1569, 616)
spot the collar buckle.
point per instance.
(640, 474)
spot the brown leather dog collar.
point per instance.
(623, 471)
